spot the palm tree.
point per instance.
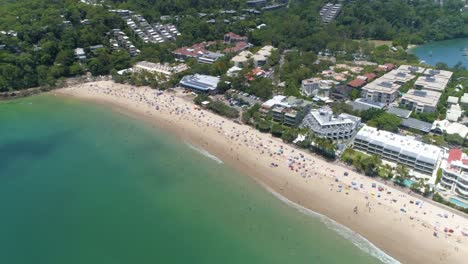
(402, 174)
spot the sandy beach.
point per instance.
(402, 225)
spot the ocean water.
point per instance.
(447, 51)
(82, 184)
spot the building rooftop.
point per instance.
(362, 104)
(454, 113)
(357, 83)
(450, 128)
(405, 145)
(411, 69)
(416, 124)
(452, 100)
(381, 86)
(200, 82)
(403, 113)
(422, 97)
(400, 76)
(464, 98)
(435, 80)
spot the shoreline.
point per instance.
(310, 183)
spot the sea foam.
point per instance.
(205, 153)
(358, 240)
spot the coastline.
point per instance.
(408, 237)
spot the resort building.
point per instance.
(200, 83)
(378, 91)
(421, 100)
(455, 173)
(435, 80)
(337, 128)
(405, 150)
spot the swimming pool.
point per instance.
(458, 202)
(408, 182)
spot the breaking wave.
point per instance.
(205, 153)
(358, 240)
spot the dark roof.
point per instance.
(403, 113)
(416, 124)
(364, 104)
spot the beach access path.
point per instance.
(401, 225)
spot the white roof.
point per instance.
(451, 128)
(403, 144)
(276, 100)
(452, 100)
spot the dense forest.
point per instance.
(36, 46)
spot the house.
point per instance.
(356, 83)
(238, 46)
(80, 54)
(233, 38)
(242, 58)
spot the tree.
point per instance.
(402, 174)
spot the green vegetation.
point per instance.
(439, 175)
(380, 119)
(217, 106)
(368, 164)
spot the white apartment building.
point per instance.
(421, 100)
(317, 87)
(323, 123)
(435, 80)
(404, 150)
(455, 173)
(379, 91)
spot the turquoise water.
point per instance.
(447, 51)
(82, 184)
(458, 203)
(408, 182)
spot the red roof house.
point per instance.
(233, 37)
(357, 83)
(370, 76)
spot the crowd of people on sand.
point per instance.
(434, 219)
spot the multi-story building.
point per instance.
(435, 80)
(286, 110)
(421, 100)
(316, 87)
(379, 91)
(455, 173)
(323, 123)
(405, 150)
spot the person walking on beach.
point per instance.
(355, 210)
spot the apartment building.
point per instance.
(421, 100)
(380, 91)
(455, 173)
(405, 150)
(435, 80)
(324, 124)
